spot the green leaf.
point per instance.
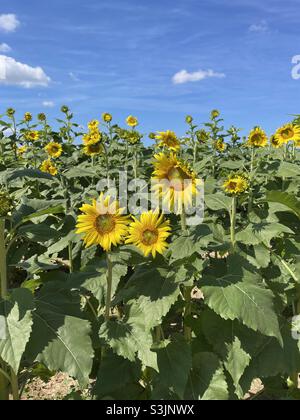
(236, 363)
(207, 380)
(174, 363)
(26, 173)
(288, 170)
(290, 202)
(239, 295)
(218, 201)
(115, 374)
(38, 233)
(60, 338)
(264, 232)
(18, 317)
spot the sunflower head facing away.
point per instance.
(32, 135)
(48, 167)
(93, 149)
(150, 233)
(102, 223)
(168, 139)
(173, 182)
(257, 138)
(132, 121)
(54, 149)
(288, 132)
(235, 185)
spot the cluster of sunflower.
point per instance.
(92, 139)
(284, 135)
(104, 224)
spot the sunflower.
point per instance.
(93, 149)
(297, 143)
(54, 149)
(168, 139)
(32, 135)
(92, 137)
(48, 167)
(27, 117)
(174, 182)
(276, 142)
(102, 223)
(132, 121)
(21, 150)
(235, 184)
(106, 117)
(220, 145)
(93, 125)
(257, 138)
(288, 132)
(150, 233)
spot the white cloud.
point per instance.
(184, 77)
(14, 73)
(48, 104)
(74, 77)
(8, 22)
(262, 26)
(4, 48)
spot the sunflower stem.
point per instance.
(195, 154)
(183, 220)
(4, 383)
(109, 287)
(250, 199)
(233, 222)
(187, 312)
(14, 386)
(70, 251)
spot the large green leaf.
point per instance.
(264, 232)
(218, 201)
(60, 337)
(239, 295)
(207, 380)
(174, 364)
(290, 202)
(18, 318)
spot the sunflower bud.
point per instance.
(27, 117)
(189, 119)
(106, 117)
(10, 112)
(214, 114)
(41, 117)
(152, 136)
(6, 203)
(64, 109)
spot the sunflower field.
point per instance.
(149, 306)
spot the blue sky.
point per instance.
(121, 56)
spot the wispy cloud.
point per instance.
(74, 77)
(261, 26)
(14, 73)
(4, 48)
(8, 22)
(184, 76)
(48, 104)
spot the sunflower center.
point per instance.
(257, 139)
(288, 133)
(177, 178)
(54, 149)
(232, 185)
(149, 237)
(105, 223)
(94, 148)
